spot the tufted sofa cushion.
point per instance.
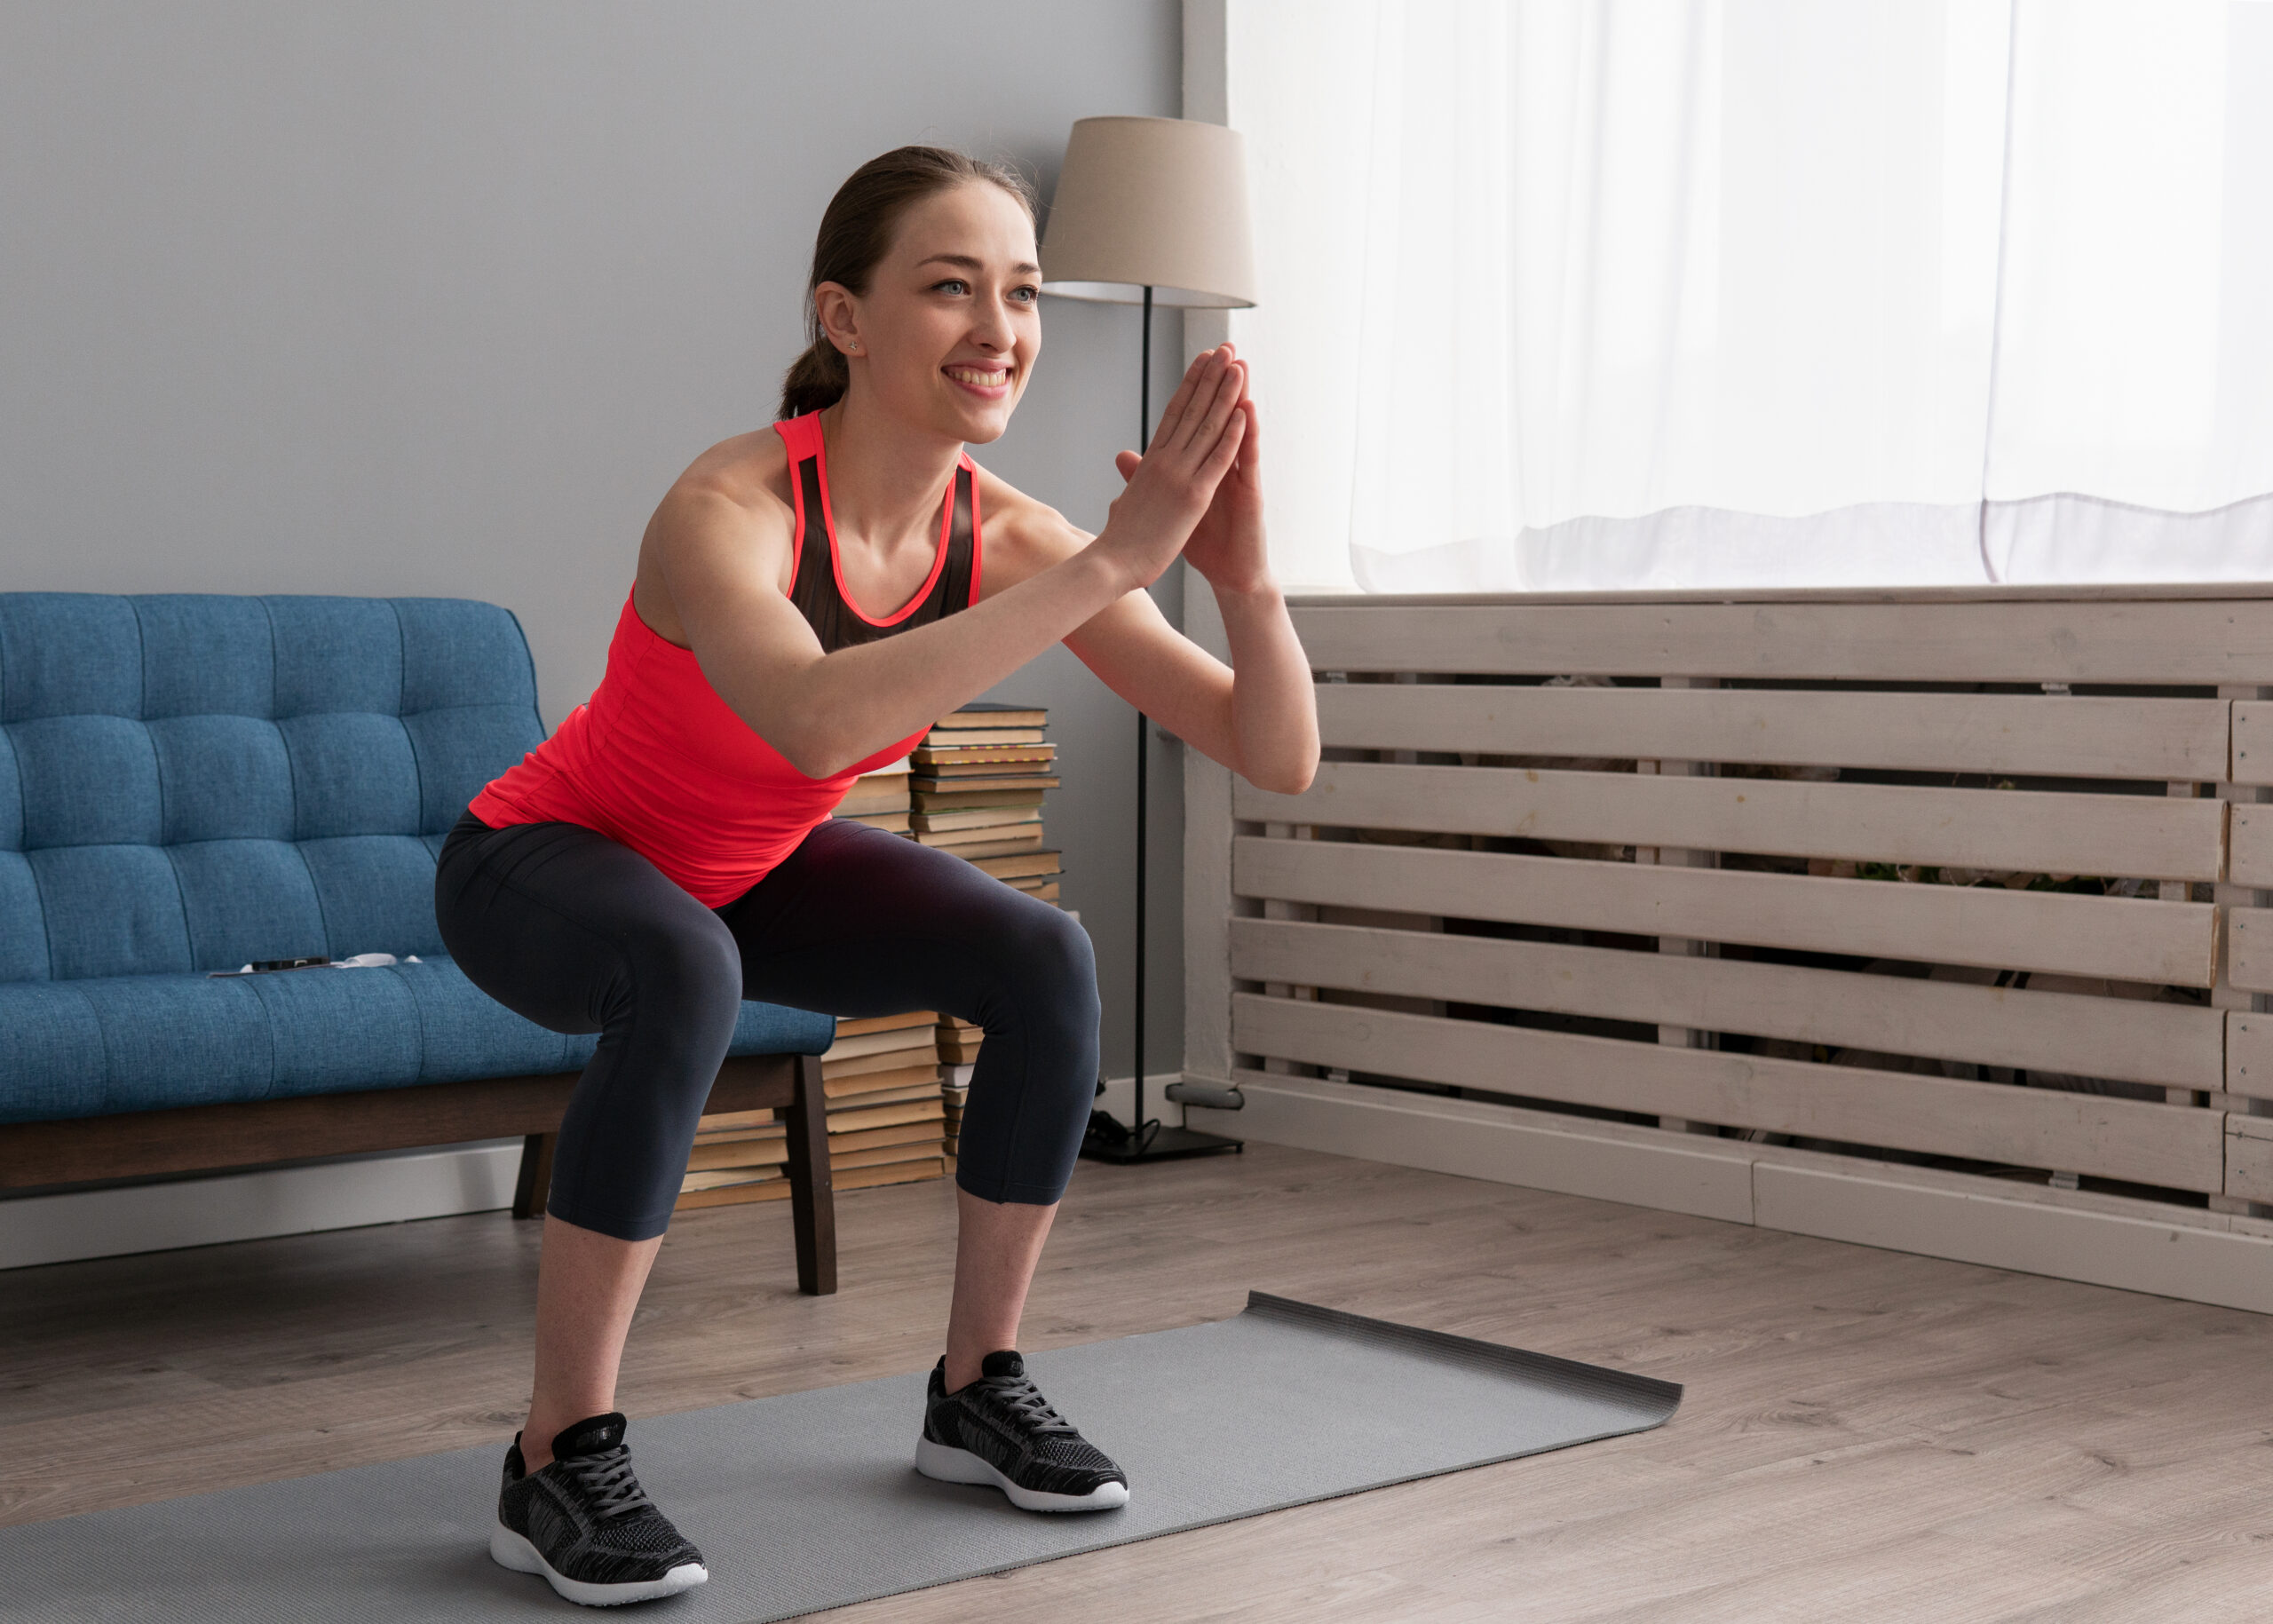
(188, 783)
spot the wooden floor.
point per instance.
(1866, 1435)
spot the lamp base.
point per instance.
(1108, 1141)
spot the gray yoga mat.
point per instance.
(809, 1501)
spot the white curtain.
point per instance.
(1569, 294)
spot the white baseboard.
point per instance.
(192, 1212)
(2167, 1259)
(2103, 1241)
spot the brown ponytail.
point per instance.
(817, 378)
(856, 233)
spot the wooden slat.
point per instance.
(2172, 1044)
(2078, 736)
(2125, 939)
(2249, 1158)
(2036, 1128)
(2249, 1053)
(2123, 835)
(2252, 741)
(2250, 858)
(2198, 642)
(2250, 942)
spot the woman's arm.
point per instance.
(1259, 714)
(1274, 706)
(825, 711)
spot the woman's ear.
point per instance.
(839, 311)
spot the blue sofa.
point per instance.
(192, 783)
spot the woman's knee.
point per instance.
(1049, 957)
(685, 969)
(1046, 1011)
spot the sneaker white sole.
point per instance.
(948, 1464)
(509, 1550)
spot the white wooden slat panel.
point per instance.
(2249, 940)
(2214, 642)
(2150, 1144)
(2125, 939)
(2252, 741)
(2123, 835)
(2177, 1045)
(2250, 859)
(2077, 736)
(2249, 1054)
(2249, 1158)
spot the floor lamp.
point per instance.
(1150, 210)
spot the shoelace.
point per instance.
(1024, 1400)
(610, 1488)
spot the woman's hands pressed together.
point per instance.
(1174, 489)
(1200, 489)
(1227, 545)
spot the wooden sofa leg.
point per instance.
(812, 1204)
(536, 1180)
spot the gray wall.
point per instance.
(417, 297)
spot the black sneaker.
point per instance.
(585, 1524)
(1001, 1429)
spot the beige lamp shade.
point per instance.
(1157, 203)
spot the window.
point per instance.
(1576, 295)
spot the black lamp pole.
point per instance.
(1107, 1140)
(1144, 744)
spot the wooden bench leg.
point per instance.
(536, 1180)
(812, 1204)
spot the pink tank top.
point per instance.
(657, 761)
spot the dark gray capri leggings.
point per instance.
(580, 934)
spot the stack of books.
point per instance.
(885, 1116)
(738, 1156)
(975, 790)
(879, 799)
(959, 1041)
(886, 1120)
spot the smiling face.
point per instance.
(947, 332)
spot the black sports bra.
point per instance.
(817, 579)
